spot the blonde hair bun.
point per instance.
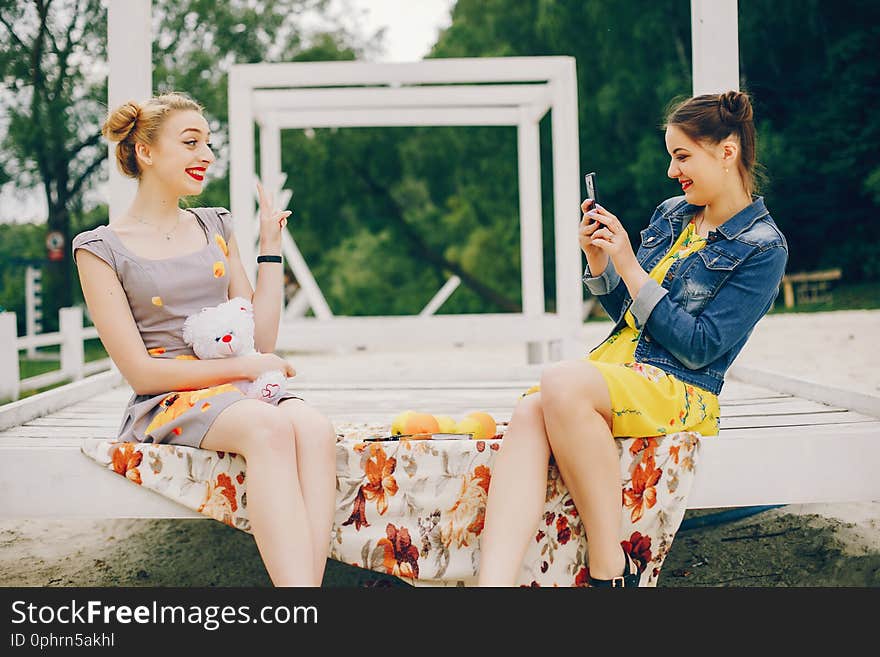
(132, 122)
(121, 121)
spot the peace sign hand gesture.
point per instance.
(272, 221)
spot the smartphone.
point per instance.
(590, 180)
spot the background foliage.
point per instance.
(384, 216)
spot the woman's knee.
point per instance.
(310, 426)
(563, 383)
(527, 422)
(528, 410)
(575, 385)
(268, 432)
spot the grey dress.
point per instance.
(161, 294)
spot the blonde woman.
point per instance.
(157, 263)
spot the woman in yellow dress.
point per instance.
(707, 269)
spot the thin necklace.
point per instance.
(149, 223)
(697, 227)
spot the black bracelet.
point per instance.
(268, 258)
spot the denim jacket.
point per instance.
(695, 323)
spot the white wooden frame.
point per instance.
(129, 43)
(515, 91)
(714, 46)
(33, 305)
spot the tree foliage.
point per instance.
(458, 187)
(384, 216)
(53, 65)
(53, 111)
(812, 69)
(810, 66)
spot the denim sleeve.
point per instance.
(608, 288)
(729, 317)
(647, 298)
(604, 282)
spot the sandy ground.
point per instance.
(798, 545)
(838, 349)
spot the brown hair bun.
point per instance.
(735, 108)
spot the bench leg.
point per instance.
(788, 291)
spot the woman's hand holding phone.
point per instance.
(609, 235)
(603, 238)
(596, 256)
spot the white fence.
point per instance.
(70, 337)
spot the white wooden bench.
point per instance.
(782, 441)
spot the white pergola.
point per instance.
(515, 91)
(512, 91)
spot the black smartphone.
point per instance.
(590, 180)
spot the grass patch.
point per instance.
(852, 296)
(49, 360)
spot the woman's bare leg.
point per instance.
(316, 464)
(517, 492)
(263, 435)
(577, 414)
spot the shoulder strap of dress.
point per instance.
(206, 217)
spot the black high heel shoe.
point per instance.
(630, 577)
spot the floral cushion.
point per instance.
(415, 508)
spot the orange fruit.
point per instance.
(398, 422)
(488, 427)
(423, 423)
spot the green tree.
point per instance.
(52, 53)
(815, 74)
(811, 67)
(448, 197)
(631, 59)
(19, 243)
(384, 216)
(53, 108)
(197, 41)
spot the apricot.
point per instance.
(488, 427)
(421, 423)
(398, 422)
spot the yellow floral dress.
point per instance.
(645, 400)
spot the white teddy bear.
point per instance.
(228, 330)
